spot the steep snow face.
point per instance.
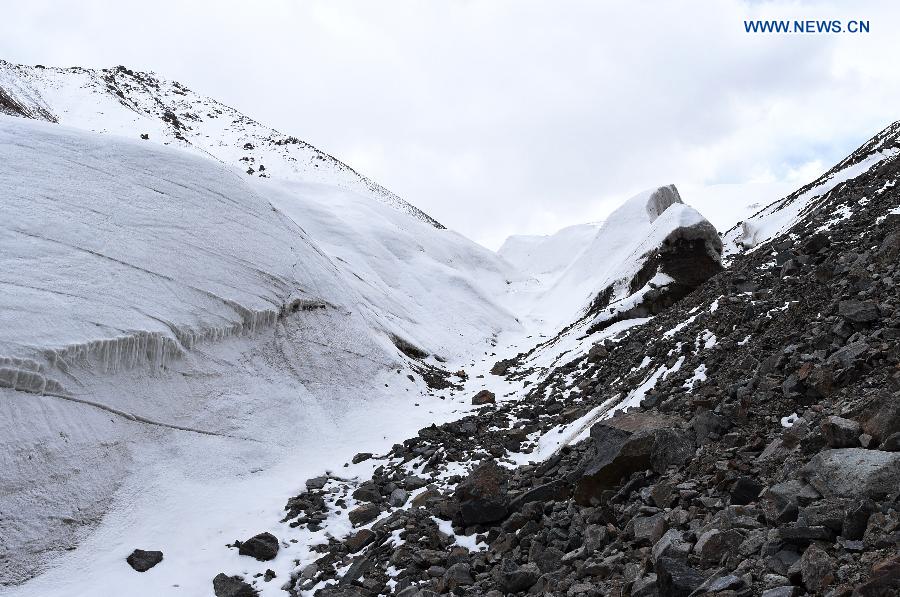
(548, 256)
(611, 267)
(162, 316)
(136, 104)
(810, 201)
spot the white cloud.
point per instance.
(511, 116)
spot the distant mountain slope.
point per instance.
(142, 105)
(816, 201)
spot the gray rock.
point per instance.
(840, 432)
(232, 586)
(714, 545)
(263, 547)
(458, 575)
(859, 311)
(783, 591)
(316, 482)
(398, 497)
(854, 473)
(675, 578)
(142, 560)
(671, 545)
(647, 530)
(816, 568)
(848, 355)
(513, 578)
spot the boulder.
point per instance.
(364, 514)
(859, 311)
(840, 432)
(232, 586)
(854, 473)
(884, 579)
(513, 578)
(142, 560)
(671, 545)
(482, 496)
(360, 539)
(263, 547)
(715, 544)
(675, 578)
(484, 397)
(627, 444)
(884, 419)
(816, 568)
(746, 490)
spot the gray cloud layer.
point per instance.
(499, 117)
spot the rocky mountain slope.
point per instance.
(744, 441)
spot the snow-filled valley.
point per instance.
(185, 337)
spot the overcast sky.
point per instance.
(501, 117)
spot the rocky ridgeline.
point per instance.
(765, 459)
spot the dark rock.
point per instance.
(458, 575)
(854, 472)
(316, 482)
(891, 443)
(513, 578)
(558, 489)
(232, 586)
(848, 356)
(647, 530)
(367, 493)
(841, 433)
(746, 490)
(142, 560)
(675, 578)
(263, 547)
(360, 539)
(361, 457)
(715, 544)
(484, 397)
(482, 497)
(816, 568)
(859, 311)
(884, 419)
(364, 514)
(884, 580)
(627, 444)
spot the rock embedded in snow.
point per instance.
(232, 586)
(484, 397)
(142, 560)
(364, 514)
(263, 547)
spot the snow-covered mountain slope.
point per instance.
(142, 105)
(548, 256)
(157, 307)
(812, 202)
